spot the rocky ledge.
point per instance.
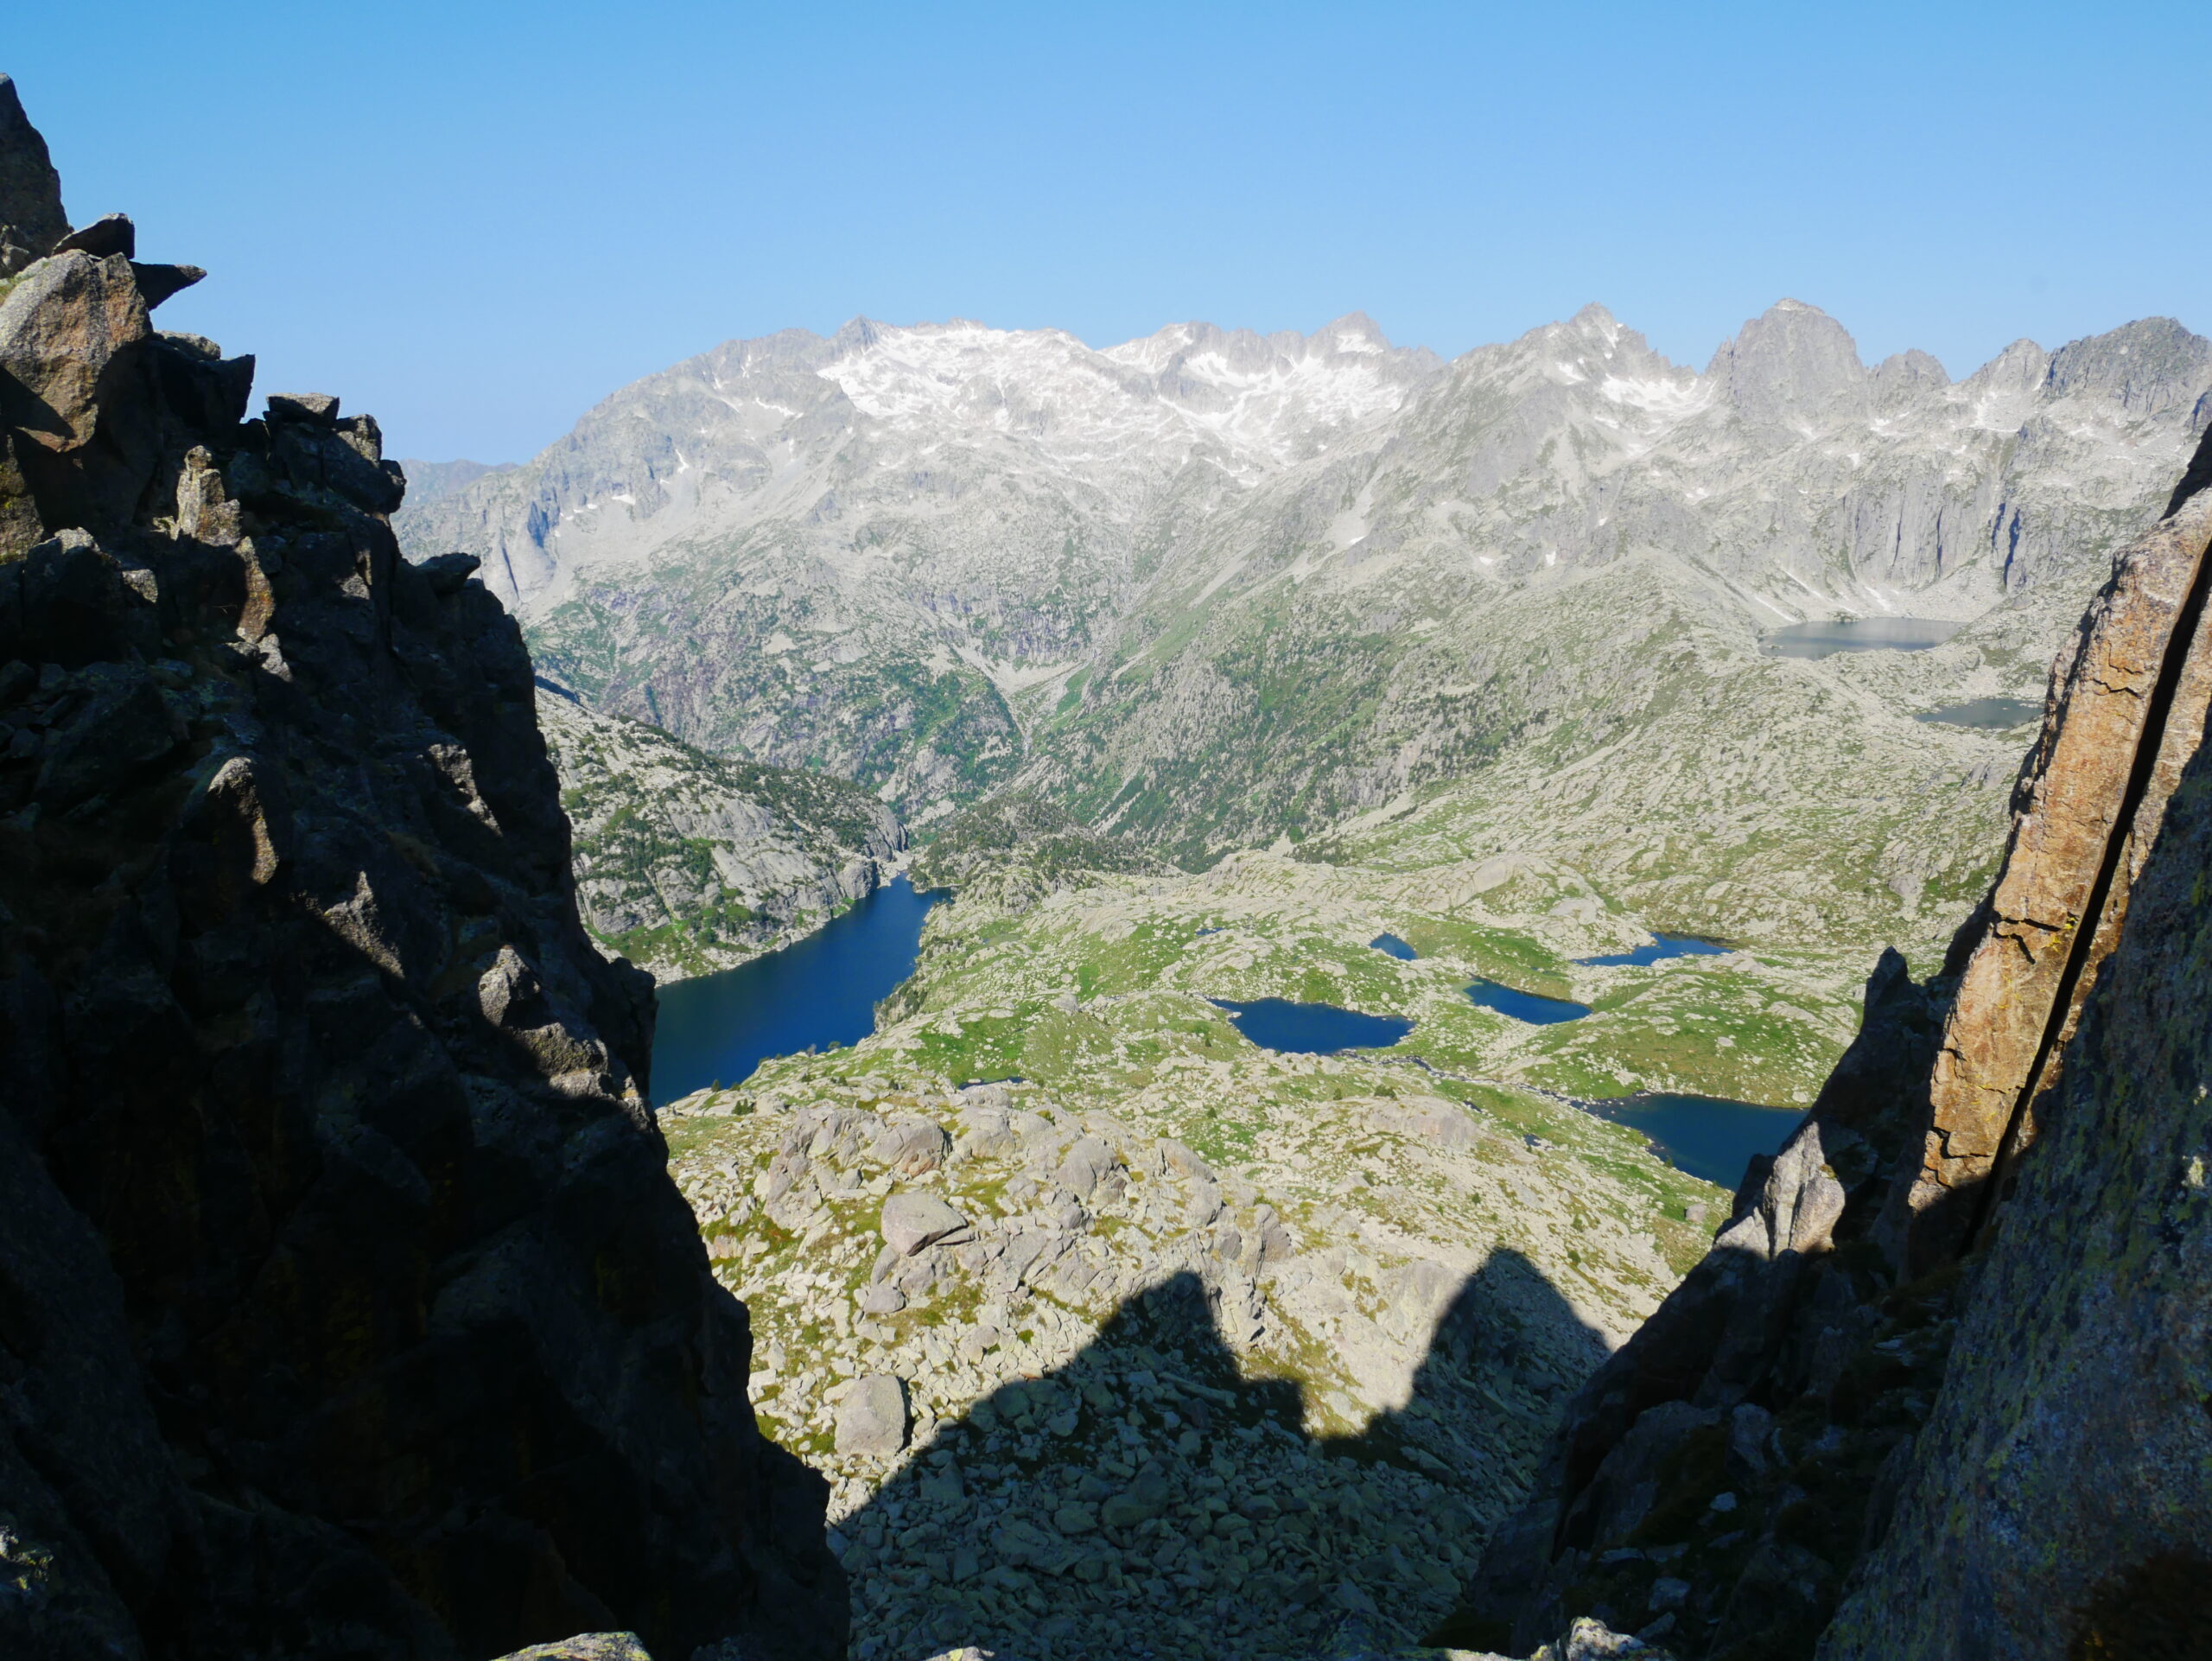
(348, 1310)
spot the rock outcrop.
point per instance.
(1944, 1366)
(347, 1307)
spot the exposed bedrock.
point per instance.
(1946, 1366)
(347, 1307)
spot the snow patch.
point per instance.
(1669, 399)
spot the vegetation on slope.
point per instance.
(687, 863)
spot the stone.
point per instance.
(157, 284)
(912, 1149)
(1349, 1596)
(871, 1418)
(69, 331)
(314, 408)
(2078, 814)
(1143, 1499)
(1667, 1593)
(110, 233)
(585, 1646)
(121, 729)
(1086, 1163)
(882, 1299)
(448, 574)
(1591, 1639)
(943, 1487)
(912, 1221)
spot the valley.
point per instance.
(1412, 832)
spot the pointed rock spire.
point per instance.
(31, 218)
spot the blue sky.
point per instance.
(476, 220)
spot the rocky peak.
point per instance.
(1791, 364)
(31, 218)
(2150, 366)
(1908, 378)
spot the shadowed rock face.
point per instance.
(346, 1306)
(1970, 1294)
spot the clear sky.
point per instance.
(476, 220)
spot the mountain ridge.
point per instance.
(939, 560)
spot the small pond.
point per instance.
(1311, 1028)
(1704, 1135)
(816, 993)
(1391, 946)
(1662, 946)
(1524, 1006)
(1992, 714)
(1825, 639)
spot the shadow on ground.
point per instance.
(1147, 1499)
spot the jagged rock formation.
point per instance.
(1945, 1360)
(687, 863)
(348, 1309)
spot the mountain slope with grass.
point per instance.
(686, 863)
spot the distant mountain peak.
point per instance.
(1790, 364)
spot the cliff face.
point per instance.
(1945, 1366)
(687, 862)
(346, 1306)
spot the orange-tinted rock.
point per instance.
(2087, 790)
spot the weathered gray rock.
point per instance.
(1075, 1518)
(913, 1148)
(782, 848)
(1087, 1163)
(912, 1221)
(872, 1417)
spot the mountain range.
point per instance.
(1215, 590)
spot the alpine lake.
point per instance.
(821, 992)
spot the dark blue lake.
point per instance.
(1704, 1135)
(1991, 714)
(1662, 946)
(1825, 639)
(1311, 1028)
(1524, 1006)
(1391, 946)
(819, 992)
